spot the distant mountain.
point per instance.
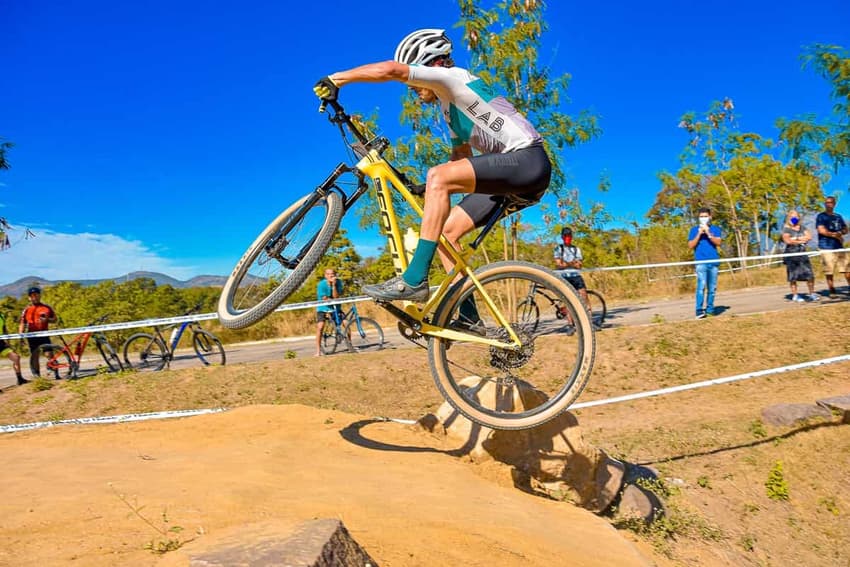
(19, 287)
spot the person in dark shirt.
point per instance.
(831, 230)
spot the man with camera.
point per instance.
(704, 239)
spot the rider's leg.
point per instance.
(442, 182)
(320, 326)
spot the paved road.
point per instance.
(737, 302)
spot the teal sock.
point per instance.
(417, 270)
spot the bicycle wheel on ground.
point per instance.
(56, 362)
(598, 309)
(365, 336)
(208, 348)
(110, 357)
(487, 383)
(528, 313)
(279, 260)
(330, 338)
(143, 351)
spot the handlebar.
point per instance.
(343, 121)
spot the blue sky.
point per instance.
(164, 136)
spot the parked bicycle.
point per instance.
(146, 351)
(350, 329)
(530, 306)
(64, 360)
(471, 323)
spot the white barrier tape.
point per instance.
(716, 261)
(580, 405)
(108, 419)
(171, 320)
(713, 382)
(309, 304)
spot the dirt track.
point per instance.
(67, 490)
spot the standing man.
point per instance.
(568, 260)
(831, 230)
(6, 350)
(704, 240)
(329, 288)
(36, 317)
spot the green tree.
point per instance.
(738, 175)
(814, 141)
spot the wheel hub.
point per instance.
(504, 359)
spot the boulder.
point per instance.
(790, 414)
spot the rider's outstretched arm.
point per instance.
(372, 73)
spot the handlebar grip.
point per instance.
(323, 105)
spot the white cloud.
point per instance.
(61, 256)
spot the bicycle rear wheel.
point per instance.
(528, 313)
(598, 309)
(491, 385)
(57, 361)
(368, 335)
(143, 351)
(208, 348)
(279, 260)
(110, 357)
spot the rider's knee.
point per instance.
(436, 180)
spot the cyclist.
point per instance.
(568, 260)
(328, 288)
(511, 157)
(36, 317)
(6, 351)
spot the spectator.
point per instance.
(568, 260)
(6, 351)
(704, 240)
(831, 230)
(36, 317)
(799, 268)
(329, 288)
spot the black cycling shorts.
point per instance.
(576, 281)
(524, 172)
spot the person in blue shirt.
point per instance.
(831, 230)
(704, 239)
(328, 288)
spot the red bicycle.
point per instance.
(63, 361)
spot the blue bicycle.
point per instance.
(350, 329)
(146, 351)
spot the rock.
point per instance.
(318, 543)
(840, 404)
(640, 503)
(789, 414)
(553, 458)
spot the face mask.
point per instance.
(568, 240)
(794, 221)
(704, 220)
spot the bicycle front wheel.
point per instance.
(365, 335)
(110, 357)
(279, 260)
(330, 338)
(208, 348)
(57, 361)
(512, 387)
(598, 309)
(143, 351)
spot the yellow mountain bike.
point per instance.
(479, 348)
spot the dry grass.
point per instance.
(710, 444)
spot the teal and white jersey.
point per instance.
(475, 115)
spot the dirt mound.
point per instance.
(99, 495)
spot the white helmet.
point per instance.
(423, 46)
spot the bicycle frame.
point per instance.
(385, 178)
(174, 339)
